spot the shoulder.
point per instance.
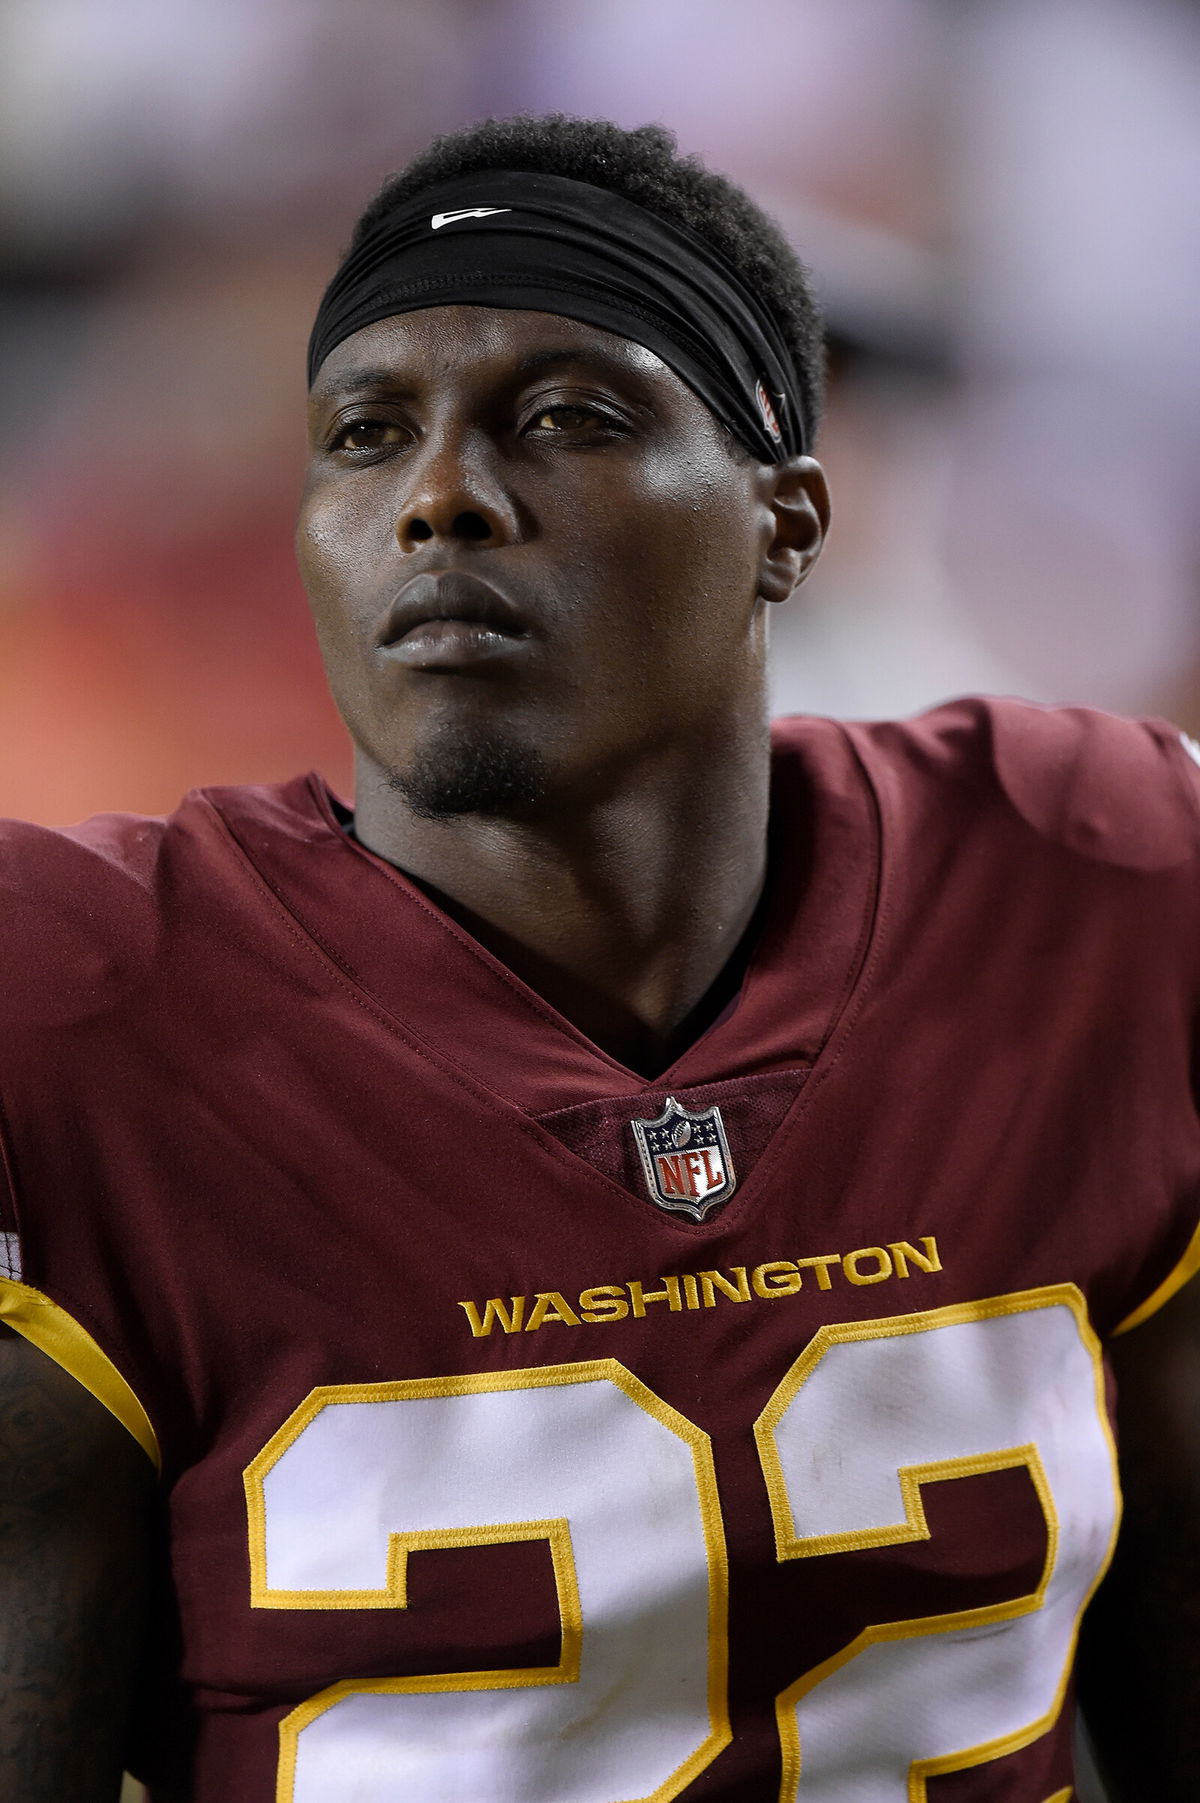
(50, 861)
(83, 909)
(76, 904)
(1116, 791)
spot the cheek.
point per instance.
(330, 562)
(332, 532)
(699, 561)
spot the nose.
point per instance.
(455, 493)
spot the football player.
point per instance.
(596, 1273)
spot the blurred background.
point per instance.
(998, 199)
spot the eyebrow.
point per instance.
(536, 362)
(366, 378)
(377, 378)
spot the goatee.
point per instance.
(459, 772)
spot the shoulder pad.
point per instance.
(1124, 792)
(77, 914)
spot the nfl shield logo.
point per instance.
(686, 1159)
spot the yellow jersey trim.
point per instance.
(56, 1333)
(1186, 1269)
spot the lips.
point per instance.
(449, 621)
(450, 598)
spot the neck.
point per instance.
(623, 913)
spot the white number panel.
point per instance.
(621, 1489)
(865, 1415)
(582, 1456)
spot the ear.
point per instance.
(798, 500)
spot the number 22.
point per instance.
(621, 1487)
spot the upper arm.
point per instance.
(75, 1496)
(1140, 1663)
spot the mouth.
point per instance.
(449, 620)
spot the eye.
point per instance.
(557, 419)
(364, 438)
(571, 417)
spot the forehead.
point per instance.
(437, 345)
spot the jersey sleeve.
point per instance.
(1125, 794)
(53, 965)
(1073, 837)
(58, 1332)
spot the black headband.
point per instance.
(506, 239)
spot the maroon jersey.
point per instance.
(532, 1431)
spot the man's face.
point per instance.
(533, 557)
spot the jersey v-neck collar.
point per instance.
(427, 971)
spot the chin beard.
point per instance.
(459, 772)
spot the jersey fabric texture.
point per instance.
(490, 1476)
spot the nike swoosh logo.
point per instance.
(440, 219)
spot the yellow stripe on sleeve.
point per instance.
(1187, 1268)
(56, 1333)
